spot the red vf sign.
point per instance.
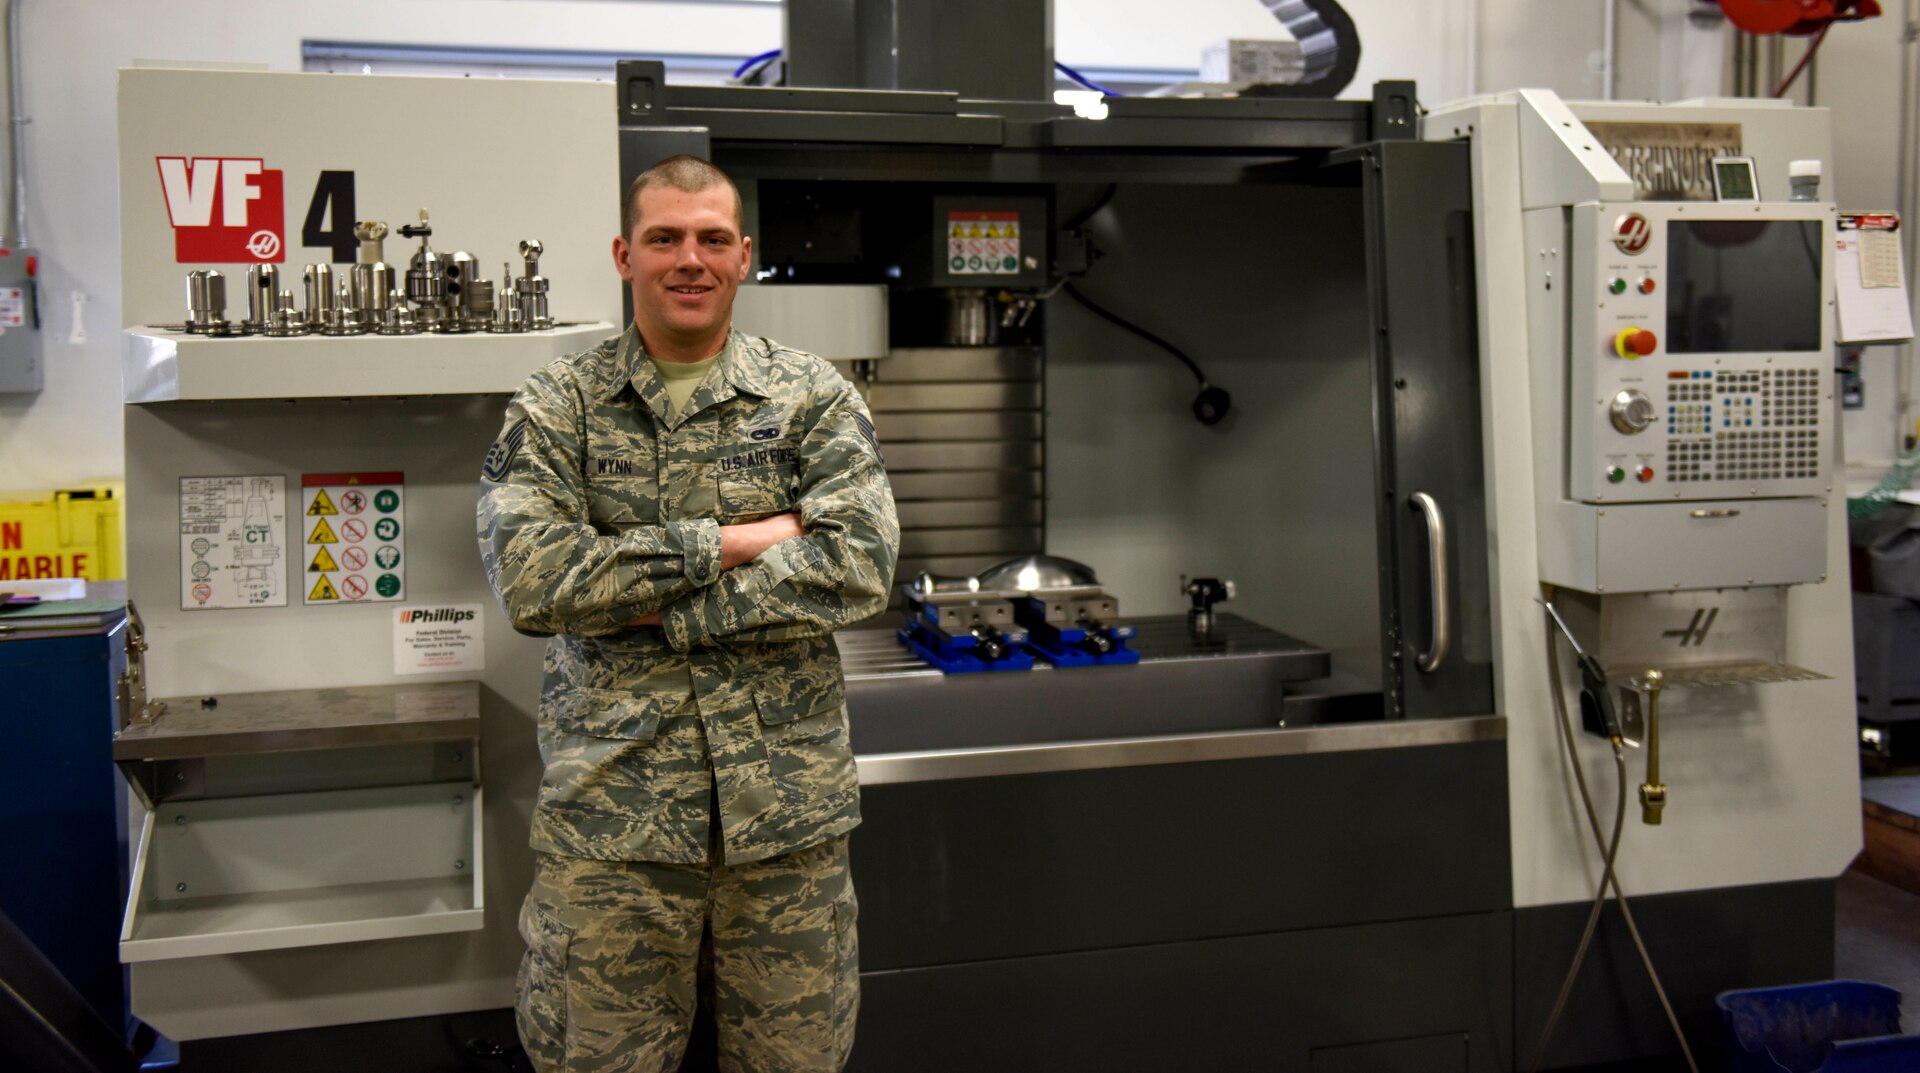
(224, 210)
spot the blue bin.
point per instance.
(1840, 1026)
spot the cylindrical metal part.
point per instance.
(263, 283)
(283, 319)
(397, 318)
(373, 236)
(479, 301)
(320, 293)
(530, 290)
(530, 295)
(372, 288)
(426, 285)
(506, 307)
(461, 272)
(206, 302)
(969, 317)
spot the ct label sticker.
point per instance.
(233, 541)
(367, 530)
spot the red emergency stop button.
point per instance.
(1634, 343)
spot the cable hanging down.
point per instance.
(1609, 849)
(1211, 405)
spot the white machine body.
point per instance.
(1684, 492)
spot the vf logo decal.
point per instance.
(1695, 631)
(224, 210)
(1631, 233)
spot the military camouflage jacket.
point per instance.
(598, 506)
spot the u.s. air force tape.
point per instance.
(500, 455)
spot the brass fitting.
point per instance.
(1653, 792)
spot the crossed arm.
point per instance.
(704, 583)
(742, 543)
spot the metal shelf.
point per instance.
(160, 365)
(232, 875)
(299, 719)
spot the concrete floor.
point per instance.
(1876, 937)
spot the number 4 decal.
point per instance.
(330, 217)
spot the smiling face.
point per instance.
(683, 261)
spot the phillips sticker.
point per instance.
(354, 546)
(427, 640)
(233, 539)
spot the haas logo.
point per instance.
(224, 210)
(1631, 233)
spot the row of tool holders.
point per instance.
(438, 292)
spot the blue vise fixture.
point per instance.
(1067, 627)
(965, 632)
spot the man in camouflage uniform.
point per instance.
(689, 534)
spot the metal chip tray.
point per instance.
(1707, 675)
(1234, 679)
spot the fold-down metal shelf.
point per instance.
(304, 817)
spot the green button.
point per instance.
(1618, 286)
(1615, 474)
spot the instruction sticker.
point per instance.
(983, 243)
(233, 540)
(354, 546)
(448, 637)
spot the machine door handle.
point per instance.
(1436, 653)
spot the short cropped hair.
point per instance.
(684, 172)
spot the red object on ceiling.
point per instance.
(1797, 17)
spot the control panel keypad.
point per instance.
(1743, 425)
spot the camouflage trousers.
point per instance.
(615, 962)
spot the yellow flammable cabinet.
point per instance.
(69, 532)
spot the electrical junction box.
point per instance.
(20, 366)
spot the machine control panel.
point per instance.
(1699, 337)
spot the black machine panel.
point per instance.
(1743, 286)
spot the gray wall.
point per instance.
(1265, 289)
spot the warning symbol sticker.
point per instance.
(983, 243)
(357, 520)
